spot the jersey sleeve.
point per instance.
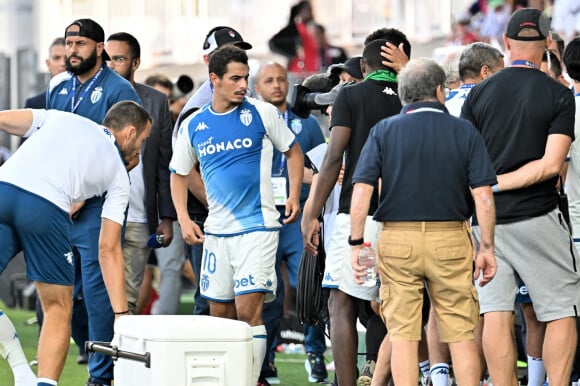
(184, 156)
(117, 197)
(281, 136)
(38, 119)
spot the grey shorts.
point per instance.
(541, 253)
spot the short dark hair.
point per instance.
(419, 80)
(372, 54)
(554, 64)
(220, 58)
(393, 35)
(559, 42)
(127, 113)
(159, 79)
(131, 41)
(571, 59)
(475, 56)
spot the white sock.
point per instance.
(439, 374)
(23, 375)
(424, 366)
(10, 348)
(46, 382)
(259, 335)
(536, 371)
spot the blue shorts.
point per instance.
(36, 226)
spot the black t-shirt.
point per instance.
(515, 110)
(359, 107)
(427, 160)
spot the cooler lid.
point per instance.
(197, 328)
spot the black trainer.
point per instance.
(316, 368)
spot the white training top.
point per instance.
(456, 97)
(68, 159)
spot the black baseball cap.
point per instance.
(89, 29)
(352, 66)
(220, 36)
(528, 18)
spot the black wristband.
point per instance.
(121, 313)
(356, 241)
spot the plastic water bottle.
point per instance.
(368, 259)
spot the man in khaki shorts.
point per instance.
(424, 204)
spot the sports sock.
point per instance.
(424, 366)
(259, 336)
(46, 382)
(439, 374)
(11, 350)
(536, 371)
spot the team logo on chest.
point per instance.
(296, 126)
(96, 94)
(246, 117)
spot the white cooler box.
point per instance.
(185, 350)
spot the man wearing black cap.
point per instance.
(349, 70)
(89, 88)
(527, 139)
(216, 37)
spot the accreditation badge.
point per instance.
(279, 188)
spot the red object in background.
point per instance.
(152, 298)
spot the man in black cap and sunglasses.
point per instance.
(89, 88)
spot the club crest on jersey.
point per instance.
(246, 117)
(296, 126)
(204, 282)
(96, 94)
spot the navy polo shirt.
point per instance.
(427, 160)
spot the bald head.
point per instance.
(527, 50)
(272, 84)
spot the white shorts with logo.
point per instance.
(238, 265)
(338, 272)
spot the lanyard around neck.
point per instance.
(84, 93)
(526, 63)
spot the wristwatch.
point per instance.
(356, 241)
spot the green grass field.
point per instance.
(290, 366)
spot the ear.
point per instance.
(549, 42)
(130, 132)
(363, 66)
(136, 64)
(47, 62)
(440, 94)
(506, 42)
(484, 72)
(100, 48)
(213, 78)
